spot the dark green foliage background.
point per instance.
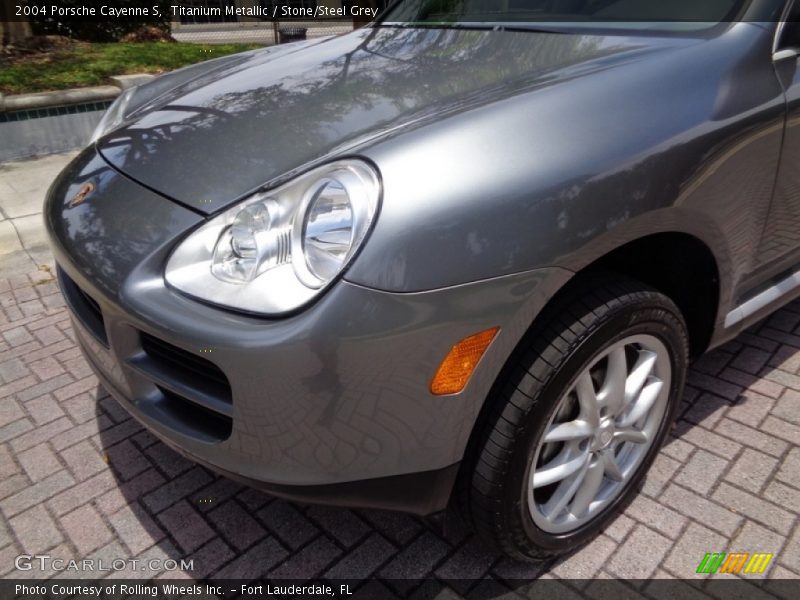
(98, 29)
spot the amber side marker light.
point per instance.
(457, 367)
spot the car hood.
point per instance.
(253, 122)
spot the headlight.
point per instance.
(114, 115)
(277, 250)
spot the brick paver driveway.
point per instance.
(80, 478)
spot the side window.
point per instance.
(791, 31)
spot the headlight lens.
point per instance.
(278, 250)
(328, 230)
(114, 115)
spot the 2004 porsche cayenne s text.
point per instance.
(454, 259)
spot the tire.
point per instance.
(507, 497)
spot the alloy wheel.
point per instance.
(600, 432)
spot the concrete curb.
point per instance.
(100, 93)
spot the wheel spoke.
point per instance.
(587, 399)
(612, 396)
(588, 489)
(629, 434)
(643, 403)
(638, 377)
(557, 469)
(612, 470)
(574, 430)
(565, 492)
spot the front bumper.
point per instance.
(330, 405)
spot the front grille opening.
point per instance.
(194, 370)
(85, 308)
(91, 304)
(192, 419)
(195, 395)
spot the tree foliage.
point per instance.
(99, 28)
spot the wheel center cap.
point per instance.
(604, 435)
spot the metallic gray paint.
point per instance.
(336, 393)
(508, 160)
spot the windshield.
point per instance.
(552, 14)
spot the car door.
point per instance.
(780, 246)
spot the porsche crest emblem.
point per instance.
(82, 194)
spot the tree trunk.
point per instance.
(12, 28)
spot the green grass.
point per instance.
(92, 64)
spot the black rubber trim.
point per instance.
(422, 494)
(83, 307)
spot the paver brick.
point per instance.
(751, 437)
(85, 528)
(309, 562)
(13, 369)
(126, 459)
(83, 460)
(640, 555)
(415, 560)
(661, 472)
(707, 410)
(75, 434)
(39, 462)
(619, 527)
(755, 508)
(701, 472)
(363, 560)
(76, 495)
(783, 495)
(790, 557)
(749, 383)
(255, 562)
(750, 408)
(685, 556)
(36, 530)
(12, 484)
(43, 409)
(788, 406)
(288, 524)
(238, 528)
(36, 493)
(700, 509)
(208, 559)
(789, 468)
(44, 368)
(751, 470)
(10, 411)
(7, 465)
(656, 516)
(708, 440)
(751, 360)
(124, 493)
(135, 528)
(186, 526)
(45, 387)
(587, 562)
(756, 538)
(398, 528)
(342, 525)
(176, 489)
(781, 429)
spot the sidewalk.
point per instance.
(23, 244)
(79, 478)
